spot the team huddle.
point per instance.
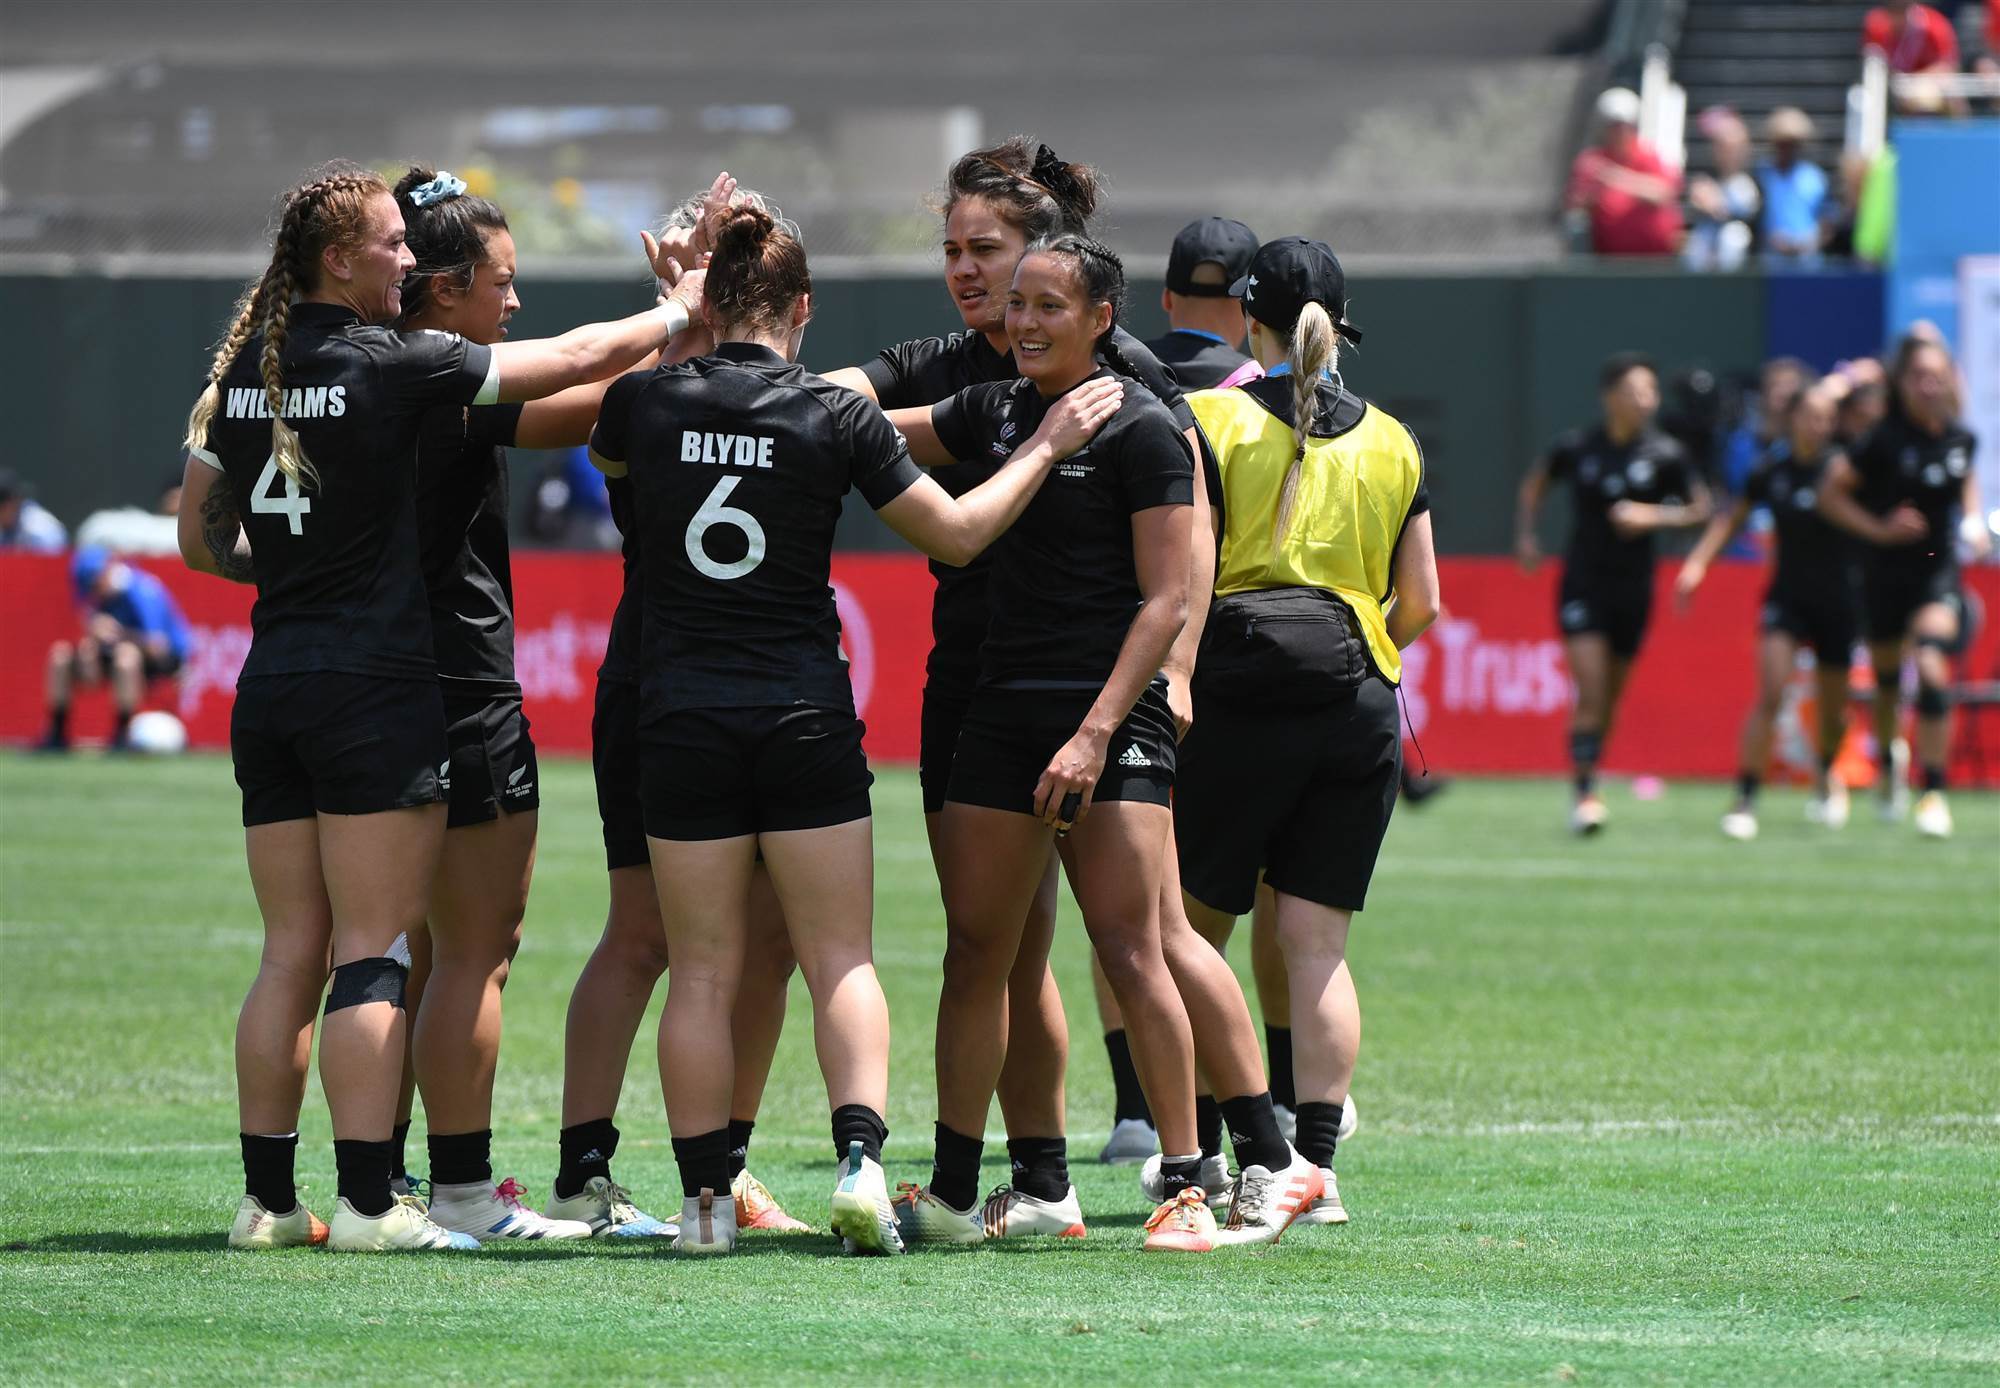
(1166, 630)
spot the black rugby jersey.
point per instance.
(739, 461)
(1651, 468)
(926, 370)
(1814, 556)
(340, 585)
(1064, 585)
(462, 519)
(1199, 361)
(621, 646)
(1901, 463)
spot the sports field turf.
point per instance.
(1655, 1108)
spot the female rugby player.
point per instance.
(739, 461)
(1628, 481)
(1909, 484)
(301, 478)
(1811, 600)
(617, 982)
(1291, 769)
(996, 201)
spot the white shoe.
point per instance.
(1132, 1140)
(257, 1227)
(1215, 1180)
(413, 1191)
(1832, 809)
(1933, 816)
(401, 1229)
(923, 1218)
(1288, 1122)
(1264, 1203)
(487, 1211)
(607, 1208)
(708, 1224)
(1740, 825)
(1327, 1209)
(1348, 1121)
(862, 1214)
(1588, 816)
(1011, 1214)
(1896, 804)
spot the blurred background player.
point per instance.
(1811, 601)
(1205, 342)
(1628, 481)
(133, 634)
(25, 523)
(1905, 491)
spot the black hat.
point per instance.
(1229, 244)
(1289, 273)
(10, 485)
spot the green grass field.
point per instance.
(1651, 1109)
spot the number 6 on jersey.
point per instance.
(714, 512)
(293, 505)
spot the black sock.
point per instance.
(1746, 786)
(854, 1123)
(1278, 1041)
(1129, 1096)
(1584, 751)
(399, 1139)
(1319, 1128)
(267, 1171)
(704, 1162)
(587, 1149)
(955, 1168)
(1041, 1166)
(1208, 1124)
(1178, 1174)
(1933, 778)
(1253, 1128)
(123, 725)
(739, 1145)
(59, 724)
(364, 1175)
(1826, 761)
(459, 1159)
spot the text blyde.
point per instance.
(731, 450)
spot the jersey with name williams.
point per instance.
(1065, 584)
(340, 585)
(924, 371)
(1901, 464)
(1651, 467)
(739, 461)
(462, 522)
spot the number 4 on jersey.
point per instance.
(293, 505)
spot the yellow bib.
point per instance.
(1353, 496)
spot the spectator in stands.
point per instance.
(1631, 195)
(133, 634)
(134, 529)
(1914, 39)
(1794, 188)
(1725, 205)
(24, 522)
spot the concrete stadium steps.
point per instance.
(1803, 53)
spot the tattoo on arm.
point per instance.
(222, 532)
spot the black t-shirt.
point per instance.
(1651, 468)
(926, 370)
(1901, 463)
(1064, 584)
(1199, 361)
(340, 583)
(621, 646)
(739, 461)
(462, 519)
(1814, 556)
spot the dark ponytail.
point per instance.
(757, 273)
(447, 229)
(1028, 184)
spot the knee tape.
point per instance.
(1933, 700)
(381, 979)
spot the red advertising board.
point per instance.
(1486, 688)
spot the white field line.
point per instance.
(1609, 1127)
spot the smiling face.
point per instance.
(1812, 423)
(981, 249)
(1926, 385)
(367, 273)
(479, 312)
(1051, 326)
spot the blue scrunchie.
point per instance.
(437, 190)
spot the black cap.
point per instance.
(1229, 244)
(1289, 273)
(10, 484)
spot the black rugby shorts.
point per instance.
(327, 743)
(492, 768)
(718, 773)
(1616, 607)
(614, 757)
(945, 706)
(1010, 735)
(1895, 592)
(1826, 622)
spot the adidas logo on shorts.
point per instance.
(1132, 756)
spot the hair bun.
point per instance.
(744, 228)
(417, 177)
